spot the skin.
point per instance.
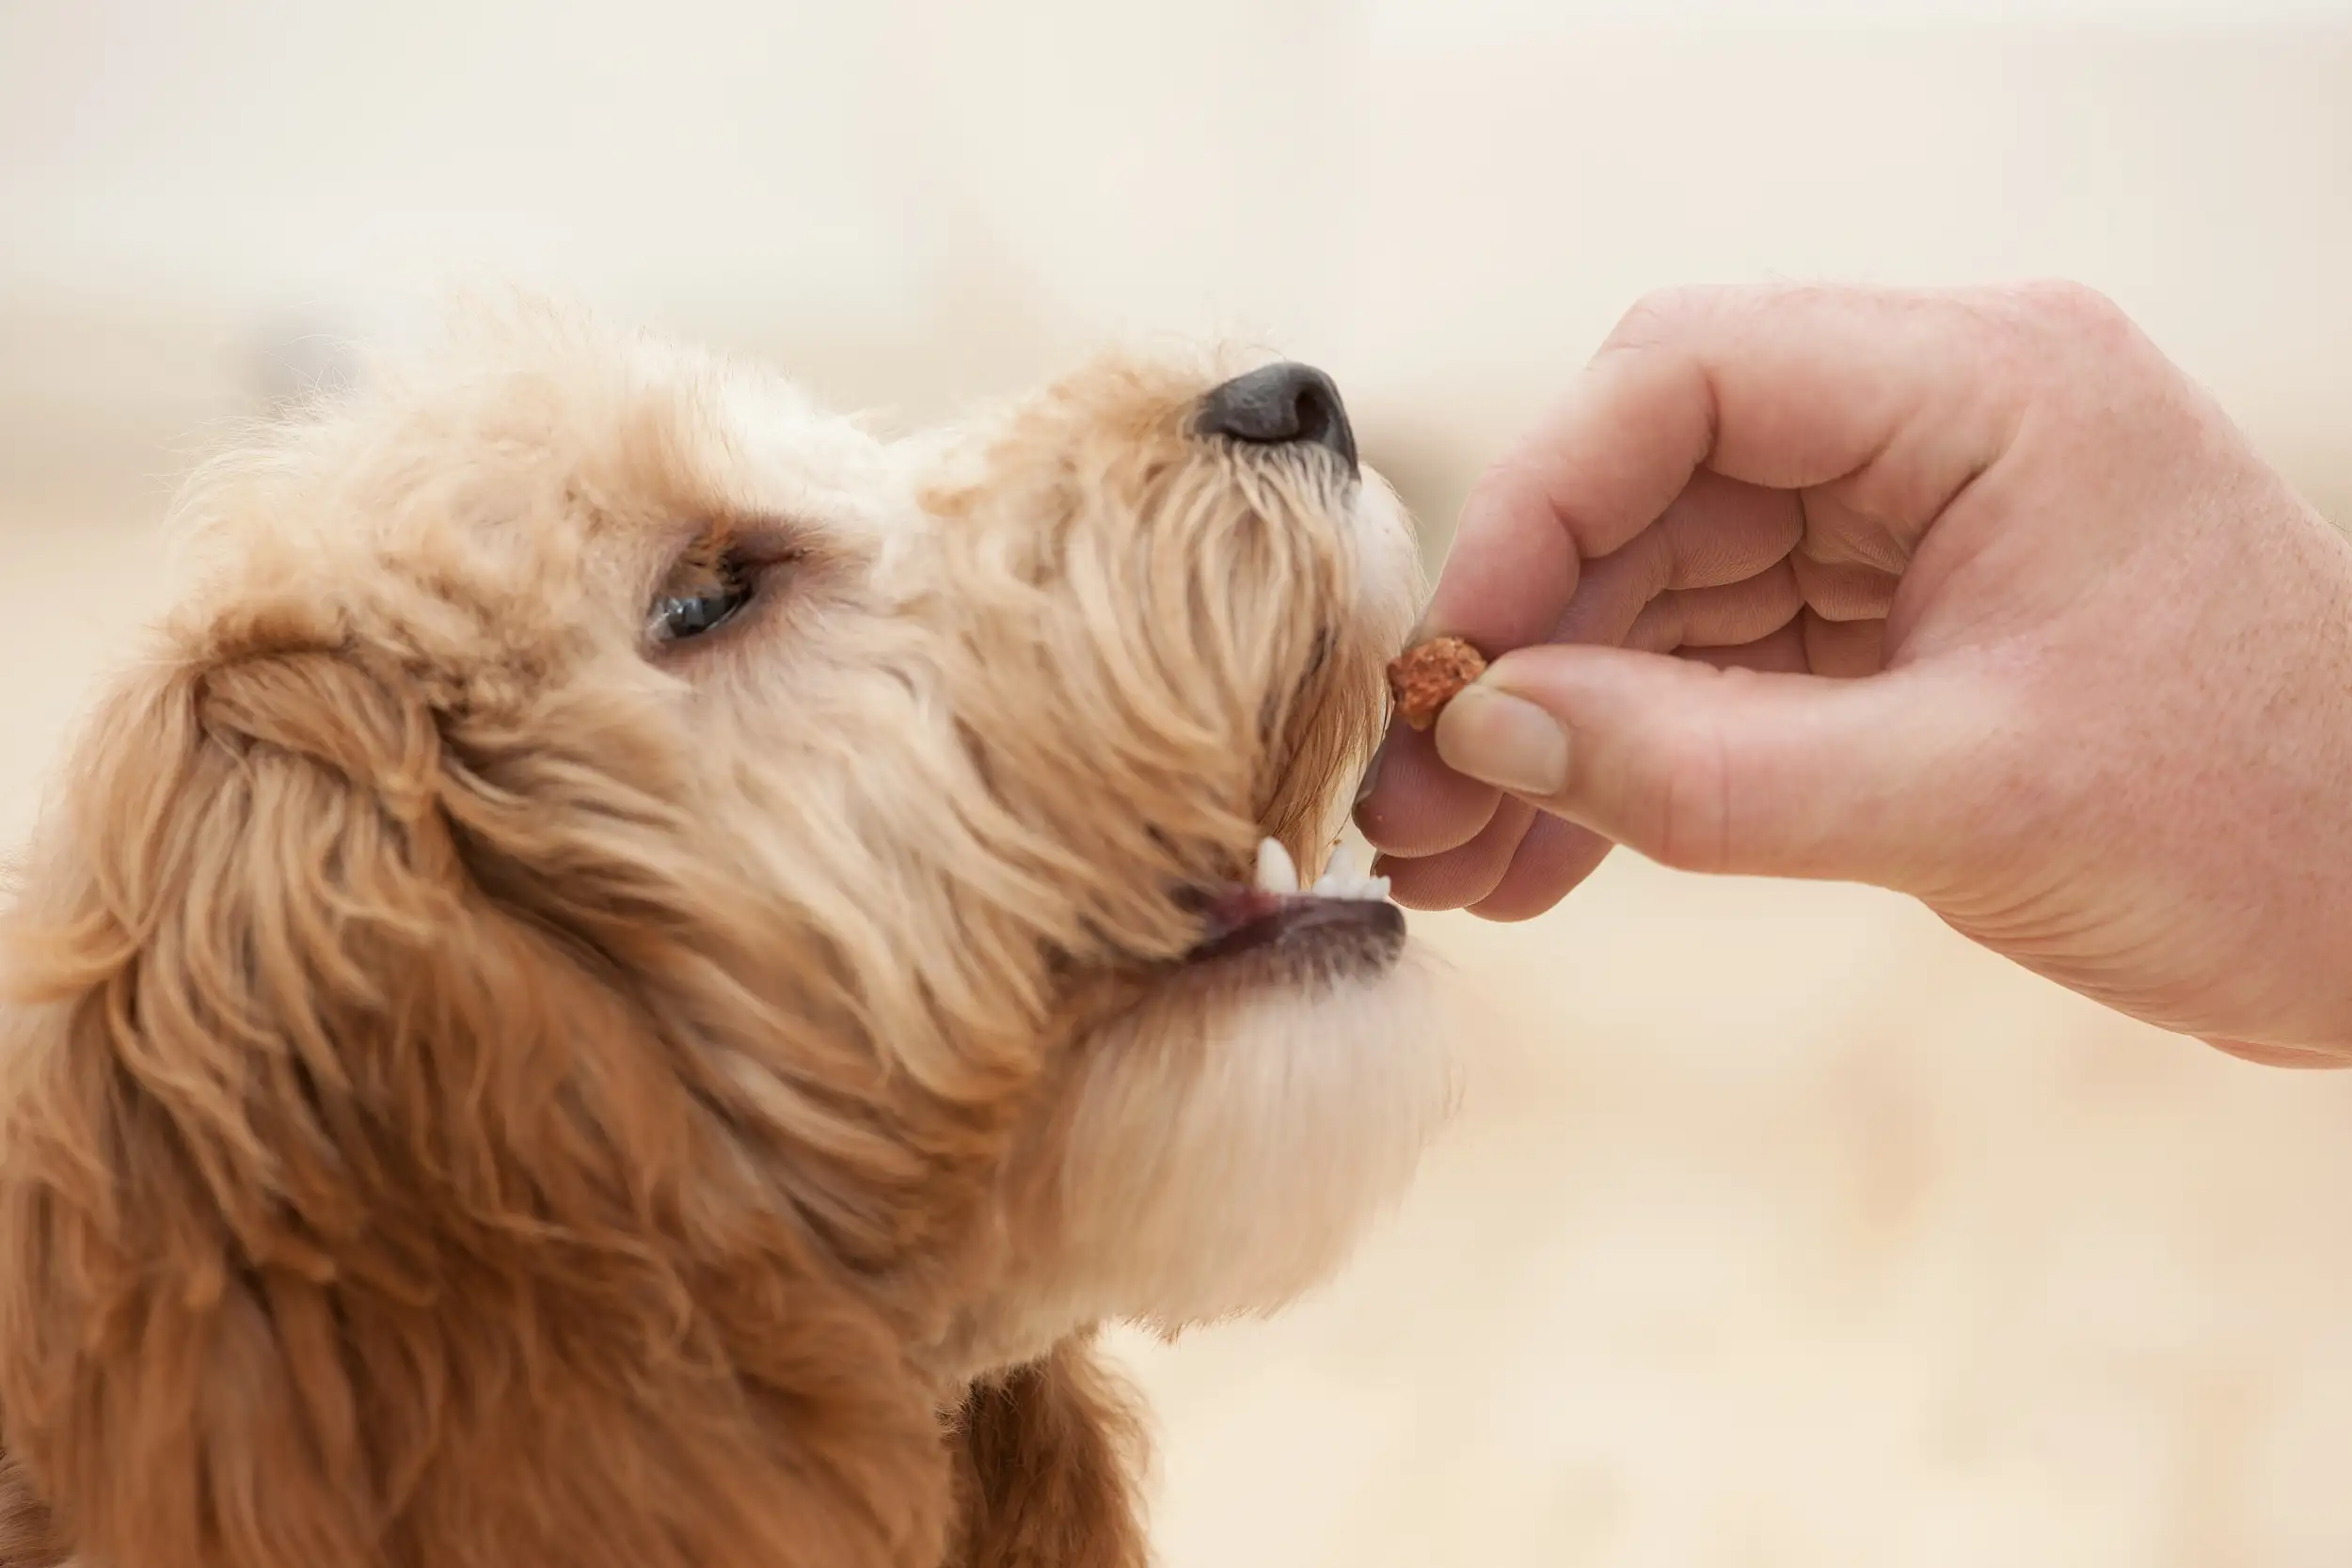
(1973, 595)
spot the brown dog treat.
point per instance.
(1425, 677)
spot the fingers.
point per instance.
(1553, 858)
(1779, 652)
(1522, 865)
(1716, 532)
(1464, 874)
(1720, 557)
(1722, 770)
(1715, 435)
(1893, 395)
(1416, 805)
(1591, 477)
(1844, 650)
(1508, 868)
(1726, 617)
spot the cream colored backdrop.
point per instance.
(1782, 1227)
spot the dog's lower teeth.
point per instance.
(1368, 889)
(1278, 874)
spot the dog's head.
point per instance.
(634, 937)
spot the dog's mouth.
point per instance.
(1344, 918)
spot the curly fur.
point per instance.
(479, 1089)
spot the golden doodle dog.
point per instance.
(638, 969)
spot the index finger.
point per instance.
(1785, 387)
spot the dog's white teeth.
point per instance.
(1277, 873)
(1341, 878)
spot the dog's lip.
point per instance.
(1273, 912)
(1238, 918)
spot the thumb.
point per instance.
(1724, 769)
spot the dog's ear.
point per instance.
(360, 1202)
(1051, 1458)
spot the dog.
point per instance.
(639, 968)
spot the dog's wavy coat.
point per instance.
(639, 967)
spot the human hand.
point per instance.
(1973, 595)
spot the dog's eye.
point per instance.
(726, 572)
(700, 599)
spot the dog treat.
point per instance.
(1426, 676)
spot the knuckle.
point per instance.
(2072, 314)
(1664, 314)
(2059, 344)
(2065, 299)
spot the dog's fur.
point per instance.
(480, 1088)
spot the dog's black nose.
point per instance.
(1278, 407)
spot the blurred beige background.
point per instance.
(1781, 1227)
